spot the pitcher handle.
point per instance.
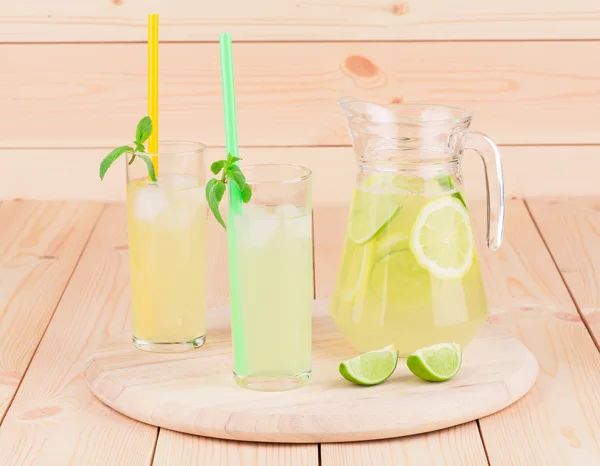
(490, 155)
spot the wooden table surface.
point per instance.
(64, 289)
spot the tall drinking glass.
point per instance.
(167, 249)
(271, 279)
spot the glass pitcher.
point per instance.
(409, 273)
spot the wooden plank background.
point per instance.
(73, 173)
(91, 95)
(72, 84)
(314, 20)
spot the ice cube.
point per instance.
(300, 226)
(192, 198)
(289, 211)
(259, 230)
(186, 190)
(149, 203)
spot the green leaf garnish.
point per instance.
(215, 188)
(237, 176)
(110, 158)
(217, 166)
(246, 194)
(231, 160)
(150, 166)
(143, 130)
(142, 133)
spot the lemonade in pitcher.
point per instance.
(409, 273)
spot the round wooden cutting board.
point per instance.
(195, 392)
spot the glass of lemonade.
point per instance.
(271, 279)
(167, 249)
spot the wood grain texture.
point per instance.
(40, 244)
(456, 446)
(558, 421)
(171, 391)
(50, 174)
(124, 20)
(571, 229)
(54, 419)
(92, 95)
(176, 449)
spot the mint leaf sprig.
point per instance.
(215, 188)
(142, 133)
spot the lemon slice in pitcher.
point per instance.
(441, 238)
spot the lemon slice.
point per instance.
(441, 238)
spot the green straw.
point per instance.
(231, 141)
(235, 208)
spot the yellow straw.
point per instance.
(153, 86)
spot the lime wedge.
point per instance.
(371, 368)
(436, 363)
(441, 238)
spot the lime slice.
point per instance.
(410, 185)
(393, 183)
(446, 183)
(371, 368)
(364, 264)
(366, 223)
(398, 280)
(436, 363)
(394, 242)
(441, 238)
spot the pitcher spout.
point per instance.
(356, 109)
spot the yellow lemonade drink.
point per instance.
(409, 273)
(167, 246)
(271, 296)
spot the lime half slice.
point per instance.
(397, 279)
(394, 242)
(371, 368)
(367, 223)
(441, 238)
(372, 210)
(436, 363)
